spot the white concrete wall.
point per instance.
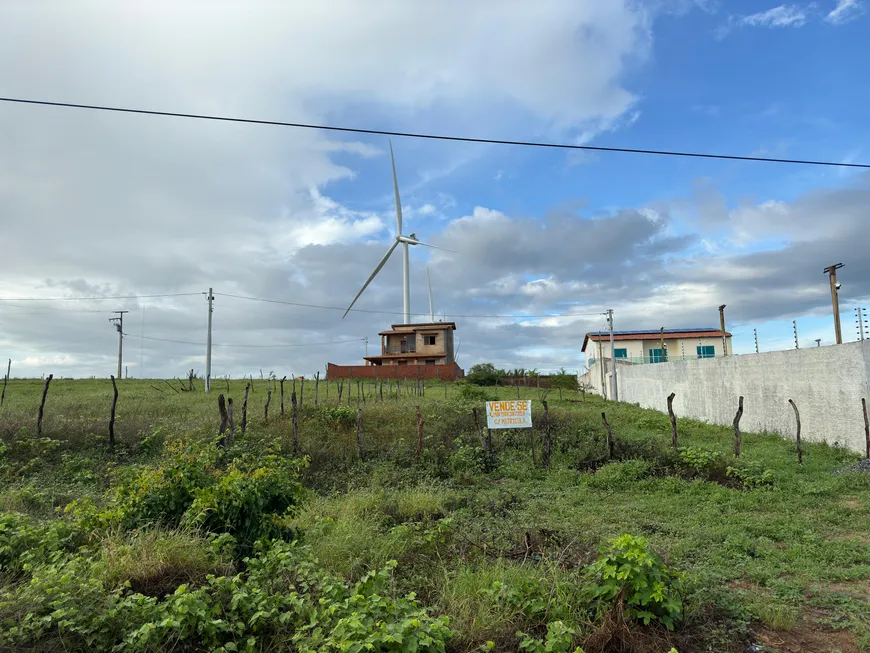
(826, 383)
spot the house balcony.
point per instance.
(410, 348)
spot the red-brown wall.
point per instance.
(450, 372)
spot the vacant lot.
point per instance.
(172, 542)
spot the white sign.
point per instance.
(509, 414)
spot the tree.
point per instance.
(484, 374)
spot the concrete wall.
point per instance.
(826, 383)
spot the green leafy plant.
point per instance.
(484, 374)
(701, 461)
(473, 393)
(629, 571)
(559, 639)
(751, 475)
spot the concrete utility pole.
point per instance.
(614, 390)
(831, 271)
(722, 325)
(794, 324)
(861, 312)
(210, 299)
(755, 333)
(119, 325)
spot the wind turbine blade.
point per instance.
(417, 242)
(396, 193)
(373, 275)
(431, 307)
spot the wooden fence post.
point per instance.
(112, 415)
(245, 409)
(295, 418)
(358, 394)
(359, 437)
(866, 428)
(268, 401)
(284, 378)
(5, 381)
(797, 416)
(479, 429)
(419, 434)
(316, 387)
(490, 452)
(673, 420)
(222, 408)
(231, 417)
(610, 443)
(547, 443)
(737, 426)
(42, 405)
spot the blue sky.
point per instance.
(106, 204)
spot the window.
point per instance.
(706, 351)
(656, 356)
(620, 353)
(430, 362)
(429, 340)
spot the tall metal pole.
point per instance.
(722, 325)
(831, 271)
(119, 325)
(794, 324)
(755, 333)
(614, 390)
(210, 299)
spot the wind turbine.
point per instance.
(431, 305)
(402, 240)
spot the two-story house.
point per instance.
(657, 346)
(429, 343)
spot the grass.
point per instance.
(496, 551)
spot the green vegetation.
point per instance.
(171, 542)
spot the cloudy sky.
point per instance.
(96, 204)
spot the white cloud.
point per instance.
(845, 11)
(781, 16)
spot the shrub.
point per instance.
(703, 462)
(472, 393)
(23, 543)
(751, 475)
(559, 639)
(484, 374)
(629, 571)
(622, 474)
(249, 499)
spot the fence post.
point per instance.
(419, 434)
(222, 408)
(316, 387)
(673, 420)
(268, 401)
(479, 429)
(797, 416)
(231, 418)
(295, 417)
(609, 436)
(866, 428)
(737, 426)
(112, 416)
(284, 378)
(301, 390)
(245, 409)
(547, 443)
(42, 405)
(359, 437)
(5, 381)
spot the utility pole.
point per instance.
(818, 342)
(366, 339)
(794, 325)
(861, 312)
(722, 325)
(210, 299)
(119, 325)
(755, 333)
(831, 271)
(662, 344)
(614, 390)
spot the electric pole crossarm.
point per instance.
(119, 325)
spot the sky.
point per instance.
(159, 209)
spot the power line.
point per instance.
(188, 342)
(362, 310)
(94, 299)
(437, 137)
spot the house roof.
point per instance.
(420, 326)
(653, 334)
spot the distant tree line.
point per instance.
(487, 374)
